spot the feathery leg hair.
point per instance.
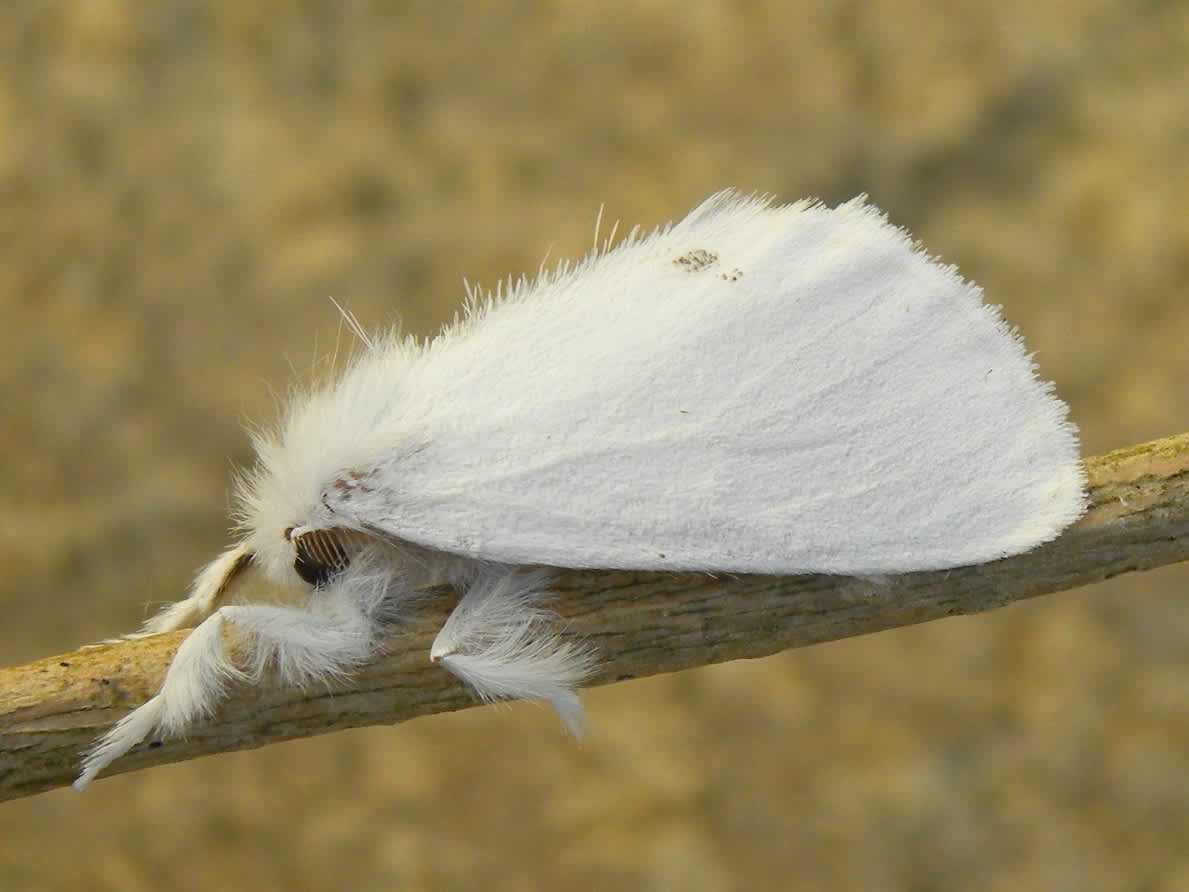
(500, 642)
(498, 639)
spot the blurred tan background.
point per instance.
(183, 185)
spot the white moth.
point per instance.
(755, 389)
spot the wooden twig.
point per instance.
(641, 623)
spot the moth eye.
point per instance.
(321, 554)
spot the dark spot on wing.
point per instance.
(697, 260)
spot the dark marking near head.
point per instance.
(352, 482)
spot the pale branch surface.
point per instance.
(641, 623)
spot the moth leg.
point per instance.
(505, 646)
(210, 588)
(300, 645)
(194, 684)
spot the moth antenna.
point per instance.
(598, 226)
(542, 272)
(352, 323)
(611, 236)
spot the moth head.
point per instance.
(307, 558)
(319, 555)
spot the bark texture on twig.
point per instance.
(641, 623)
